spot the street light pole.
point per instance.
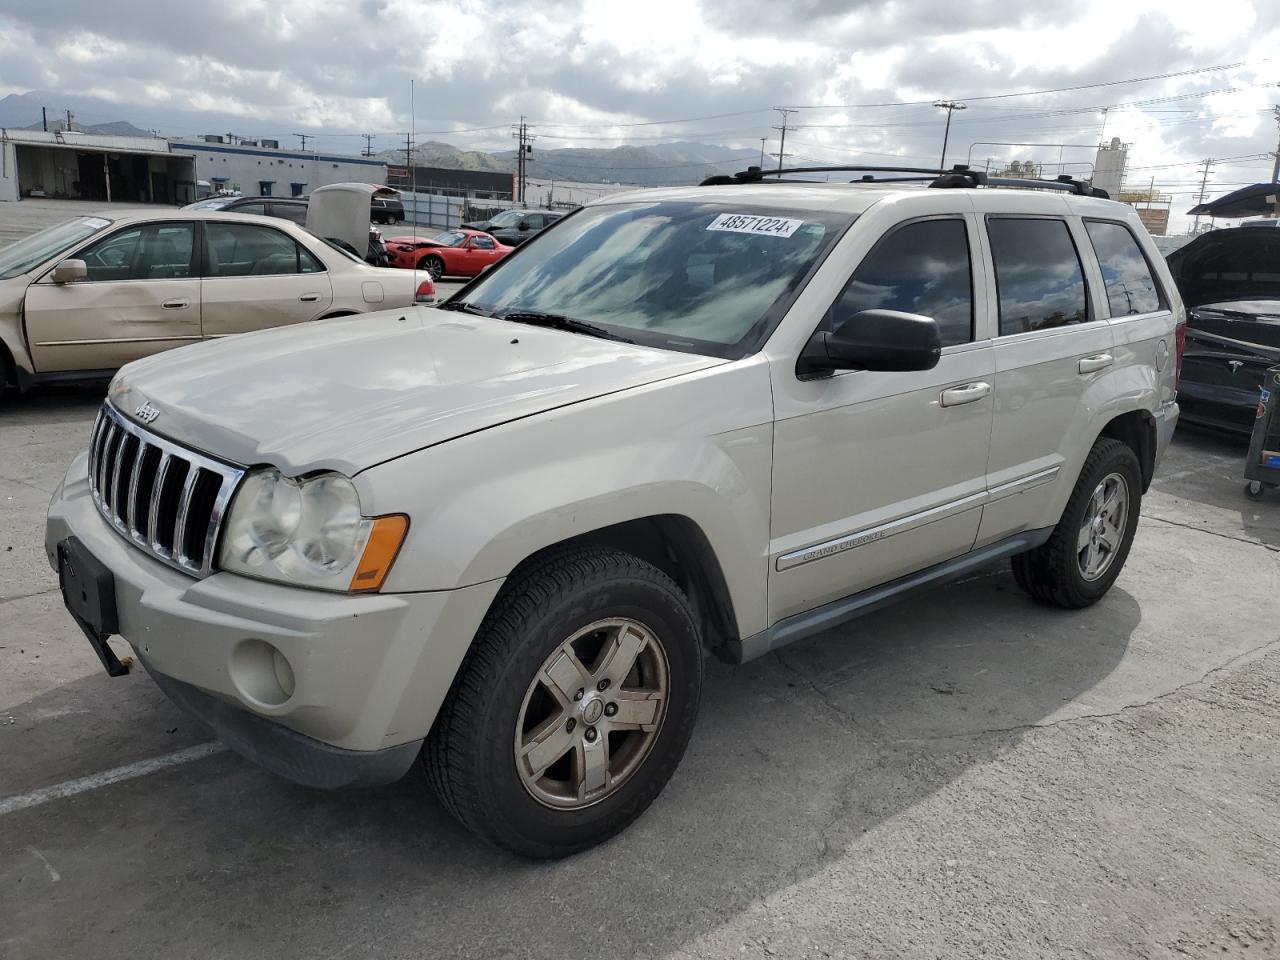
(950, 106)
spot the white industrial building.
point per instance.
(262, 169)
(89, 166)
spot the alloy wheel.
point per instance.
(592, 714)
(1102, 531)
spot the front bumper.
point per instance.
(369, 671)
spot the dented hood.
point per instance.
(349, 393)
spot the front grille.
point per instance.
(163, 498)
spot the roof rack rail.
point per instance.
(958, 176)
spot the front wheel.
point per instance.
(433, 266)
(573, 707)
(1084, 555)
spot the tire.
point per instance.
(1058, 572)
(433, 265)
(6, 373)
(479, 754)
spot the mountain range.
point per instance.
(654, 165)
(659, 164)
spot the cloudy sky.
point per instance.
(604, 72)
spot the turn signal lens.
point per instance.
(380, 552)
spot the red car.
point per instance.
(454, 253)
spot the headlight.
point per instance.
(308, 532)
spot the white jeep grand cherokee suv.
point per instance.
(501, 535)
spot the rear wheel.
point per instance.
(1090, 544)
(573, 707)
(433, 265)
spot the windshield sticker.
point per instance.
(96, 222)
(765, 226)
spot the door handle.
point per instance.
(1095, 363)
(309, 297)
(965, 393)
(176, 304)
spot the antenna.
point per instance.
(413, 169)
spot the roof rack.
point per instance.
(958, 176)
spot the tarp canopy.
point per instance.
(1257, 199)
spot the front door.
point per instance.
(257, 277)
(141, 296)
(880, 474)
(481, 252)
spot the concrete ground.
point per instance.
(964, 775)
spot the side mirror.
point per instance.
(70, 271)
(524, 225)
(874, 340)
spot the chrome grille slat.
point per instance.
(121, 453)
(180, 523)
(131, 498)
(153, 523)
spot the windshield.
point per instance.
(450, 238)
(29, 252)
(343, 248)
(507, 219)
(697, 277)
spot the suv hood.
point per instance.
(349, 393)
(1238, 263)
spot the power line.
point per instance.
(1038, 93)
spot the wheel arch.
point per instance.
(677, 546)
(1136, 429)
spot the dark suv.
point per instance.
(514, 227)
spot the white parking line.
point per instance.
(92, 782)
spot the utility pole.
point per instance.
(762, 143)
(303, 137)
(523, 149)
(44, 118)
(1204, 180)
(1275, 167)
(368, 144)
(782, 143)
(951, 106)
(69, 115)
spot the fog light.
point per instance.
(284, 673)
(261, 673)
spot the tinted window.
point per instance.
(294, 212)
(1038, 276)
(244, 250)
(259, 209)
(682, 275)
(534, 220)
(918, 268)
(482, 243)
(157, 251)
(1130, 286)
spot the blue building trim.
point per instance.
(268, 152)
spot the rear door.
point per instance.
(1052, 344)
(257, 277)
(142, 296)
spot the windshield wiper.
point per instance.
(465, 307)
(560, 322)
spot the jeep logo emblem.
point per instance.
(146, 412)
